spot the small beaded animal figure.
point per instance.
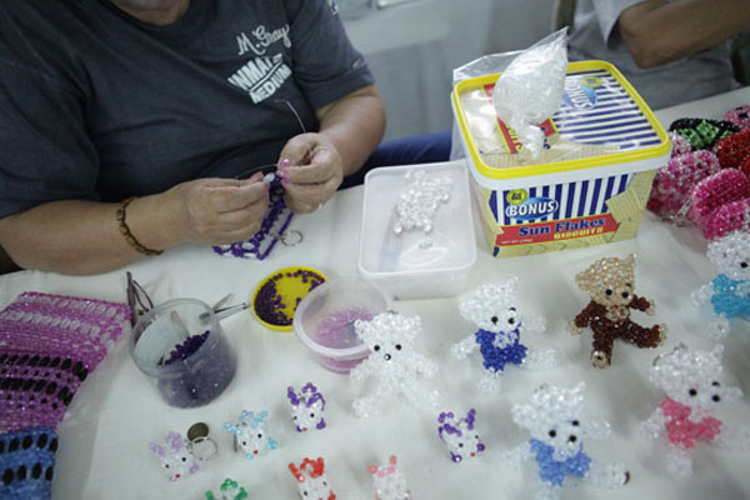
(307, 407)
(610, 283)
(393, 362)
(250, 434)
(177, 460)
(229, 490)
(492, 308)
(417, 206)
(692, 382)
(459, 435)
(729, 292)
(389, 483)
(311, 480)
(553, 417)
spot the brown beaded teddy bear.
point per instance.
(610, 282)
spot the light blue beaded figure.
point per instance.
(492, 308)
(729, 292)
(553, 418)
(250, 434)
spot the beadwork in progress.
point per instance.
(389, 483)
(311, 479)
(459, 436)
(493, 310)
(176, 459)
(610, 282)
(27, 463)
(729, 292)
(417, 206)
(306, 407)
(393, 363)
(693, 385)
(554, 418)
(273, 228)
(278, 295)
(229, 490)
(250, 435)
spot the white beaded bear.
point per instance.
(492, 308)
(393, 363)
(691, 380)
(389, 483)
(553, 418)
(417, 206)
(311, 480)
(177, 460)
(729, 292)
(250, 434)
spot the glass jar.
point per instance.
(180, 345)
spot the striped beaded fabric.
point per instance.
(49, 344)
(27, 460)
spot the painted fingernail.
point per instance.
(285, 162)
(282, 174)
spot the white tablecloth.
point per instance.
(103, 450)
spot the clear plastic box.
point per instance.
(402, 264)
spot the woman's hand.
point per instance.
(218, 211)
(311, 170)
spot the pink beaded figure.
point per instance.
(459, 435)
(250, 434)
(492, 308)
(393, 363)
(176, 459)
(553, 416)
(307, 407)
(729, 292)
(610, 283)
(311, 480)
(692, 382)
(390, 484)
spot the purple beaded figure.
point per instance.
(177, 460)
(307, 407)
(459, 435)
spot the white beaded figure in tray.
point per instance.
(417, 206)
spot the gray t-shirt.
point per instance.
(97, 105)
(595, 36)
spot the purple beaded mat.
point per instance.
(48, 346)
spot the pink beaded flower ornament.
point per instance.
(229, 490)
(393, 363)
(250, 435)
(554, 418)
(729, 292)
(176, 458)
(312, 483)
(610, 282)
(389, 483)
(692, 382)
(306, 407)
(417, 206)
(459, 435)
(493, 310)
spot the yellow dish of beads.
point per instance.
(277, 296)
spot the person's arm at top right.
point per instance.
(657, 32)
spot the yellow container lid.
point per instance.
(602, 118)
(276, 298)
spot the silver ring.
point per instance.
(201, 445)
(291, 238)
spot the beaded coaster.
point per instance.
(48, 346)
(27, 461)
(278, 295)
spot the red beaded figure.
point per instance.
(610, 283)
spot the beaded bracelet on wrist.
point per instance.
(125, 230)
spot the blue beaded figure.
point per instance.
(553, 417)
(492, 308)
(729, 292)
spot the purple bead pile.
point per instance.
(187, 348)
(269, 305)
(48, 346)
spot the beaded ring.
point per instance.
(311, 479)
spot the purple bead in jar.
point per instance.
(181, 346)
